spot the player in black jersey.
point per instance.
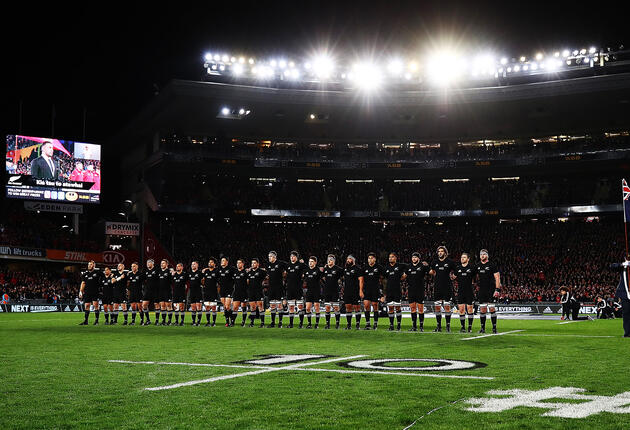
(150, 292)
(180, 278)
(352, 285)
(226, 288)
(195, 278)
(295, 293)
(239, 296)
(332, 274)
(442, 269)
(370, 291)
(165, 293)
(489, 288)
(134, 291)
(415, 290)
(107, 291)
(394, 273)
(210, 294)
(90, 285)
(276, 270)
(119, 295)
(255, 276)
(464, 273)
(313, 276)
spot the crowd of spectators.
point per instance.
(38, 283)
(534, 258)
(378, 152)
(19, 227)
(240, 193)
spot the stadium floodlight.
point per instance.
(522, 59)
(225, 110)
(251, 61)
(217, 57)
(539, 56)
(517, 68)
(225, 58)
(483, 63)
(534, 66)
(208, 57)
(566, 53)
(556, 54)
(241, 60)
(323, 66)
(407, 76)
(291, 64)
(504, 61)
(232, 59)
(312, 116)
(292, 74)
(395, 67)
(273, 63)
(592, 50)
(241, 111)
(367, 76)
(444, 68)
(583, 51)
(282, 64)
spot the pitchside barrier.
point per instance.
(522, 308)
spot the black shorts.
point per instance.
(313, 295)
(119, 296)
(149, 295)
(485, 296)
(209, 294)
(90, 296)
(164, 295)
(295, 293)
(393, 296)
(351, 296)
(255, 295)
(225, 292)
(331, 295)
(179, 295)
(275, 293)
(415, 295)
(194, 296)
(465, 296)
(239, 294)
(371, 294)
(135, 295)
(443, 294)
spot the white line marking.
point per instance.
(561, 335)
(255, 372)
(241, 366)
(370, 372)
(490, 335)
(569, 322)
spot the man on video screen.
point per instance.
(44, 166)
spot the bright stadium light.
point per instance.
(323, 66)
(225, 58)
(225, 111)
(395, 67)
(504, 61)
(208, 57)
(444, 68)
(566, 53)
(217, 57)
(482, 64)
(237, 69)
(592, 50)
(366, 76)
(282, 64)
(539, 56)
(241, 111)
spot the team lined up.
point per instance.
(303, 287)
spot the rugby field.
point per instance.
(542, 374)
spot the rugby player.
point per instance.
(394, 273)
(464, 274)
(489, 288)
(89, 290)
(353, 284)
(312, 277)
(416, 273)
(256, 276)
(275, 271)
(239, 296)
(332, 274)
(370, 290)
(295, 293)
(134, 289)
(210, 294)
(179, 293)
(441, 269)
(150, 292)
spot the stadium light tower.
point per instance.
(366, 75)
(444, 68)
(322, 66)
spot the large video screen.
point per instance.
(54, 170)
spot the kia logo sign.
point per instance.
(113, 257)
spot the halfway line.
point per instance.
(492, 334)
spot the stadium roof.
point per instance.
(587, 104)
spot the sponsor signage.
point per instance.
(17, 251)
(122, 228)
(53, 207)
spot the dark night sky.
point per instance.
(108, 58)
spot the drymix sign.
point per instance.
(122, 228)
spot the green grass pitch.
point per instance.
(56, 374)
